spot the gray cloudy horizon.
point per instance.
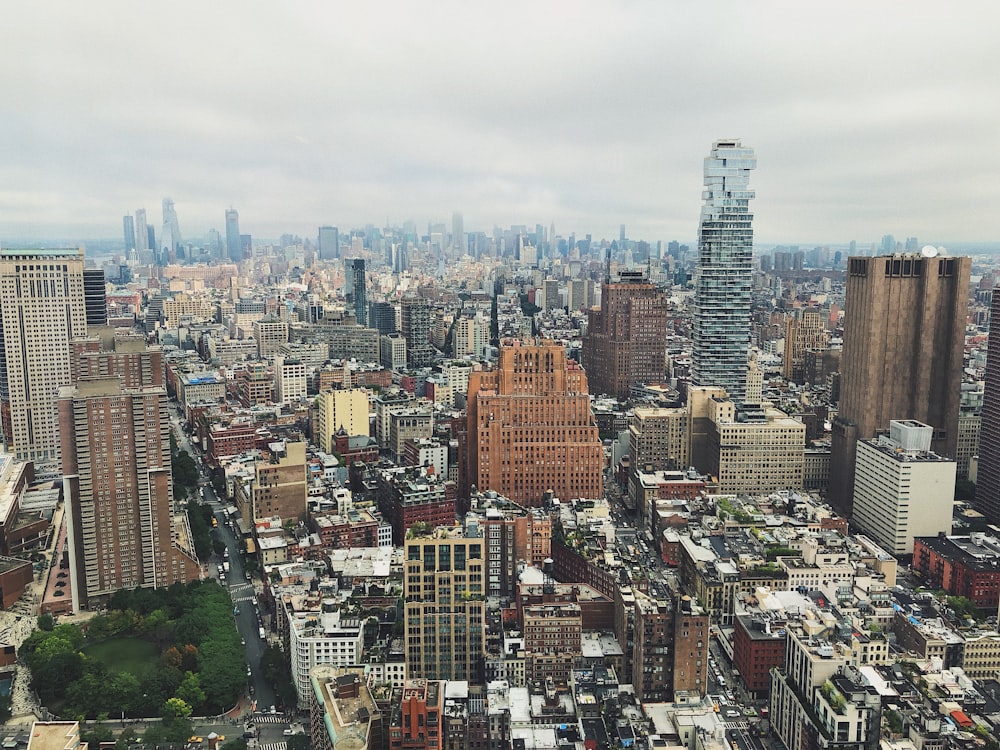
(867, 118)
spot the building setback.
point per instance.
(530, 428)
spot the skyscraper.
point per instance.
(904, 333)
(141, 235)
(128, 229)
(233, 247)
(42, 308)
(170, 236)
(383, 317)
(988, 478)
(530, 428)
(626, 341)
(415, 320)
(721, 326)
(457, 233)
(329, 243)
(115, 433)
(95, 297)
(354, 271)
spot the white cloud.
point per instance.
(867, 118)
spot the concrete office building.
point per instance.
(904, 337)
(901, 489)
(42, 309)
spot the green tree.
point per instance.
(298, 742)
(276, 670)
(190, 690)
(174, 707)
(237, 743)
(46, 622)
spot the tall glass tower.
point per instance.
(723, 279)
(356, 289)
(234, 249)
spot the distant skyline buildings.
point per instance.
(328, 243)
(234, 249)
(170, 235)
(724, 274)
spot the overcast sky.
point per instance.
(867, 117)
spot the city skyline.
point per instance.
(596, 117)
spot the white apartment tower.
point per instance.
(721, 330)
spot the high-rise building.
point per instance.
(670, 652)
(357, 292)
(345, 408)
(988, 474)
(329, 243)
(530, 428)
(383, 317)
(804, 331)
(170, 236)
(901, 489)
(114, 426)
(626, 341)
(95, 297)
(141, 235)
(904, 335)
(128, 229)
(471, 337)
(42, 309)
(721, 325)
(233, 247)
(444, 594)
(415, 320)
(457, 233)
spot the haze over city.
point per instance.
(864, 118)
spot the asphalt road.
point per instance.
(241, 591)
(245, 607)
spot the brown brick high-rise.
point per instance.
(626, 341)
(530, 428)
(904, 333)
(114, 429)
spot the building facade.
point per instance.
(530, 427)
(444, 595)
(902, 489)
(42, 309)
(115, 432)
(721, 323)
(904, 338)
(626, 341)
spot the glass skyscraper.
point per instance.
(356, 289)
(234, 249)
(721, 331)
